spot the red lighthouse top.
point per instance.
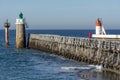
(98, 23)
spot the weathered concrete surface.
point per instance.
(98, 52)
(20, 36)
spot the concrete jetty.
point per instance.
(92, 51)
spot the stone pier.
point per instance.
(92, 51)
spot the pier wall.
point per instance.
(92, 51)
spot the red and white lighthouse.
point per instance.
(98, 27)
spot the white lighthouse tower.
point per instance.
(99, 28)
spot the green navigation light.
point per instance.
(21, 15)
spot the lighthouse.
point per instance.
(98, 27)
(20, 32)
(7, 25)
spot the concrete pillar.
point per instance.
(7, 25)
(20, 32)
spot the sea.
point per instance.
(30, 64)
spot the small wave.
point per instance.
(89, 67)
(75, 68)
(99, 67)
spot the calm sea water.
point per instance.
(29, 64)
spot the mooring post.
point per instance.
(20, 32)
(7, 25)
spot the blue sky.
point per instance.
(62, 14)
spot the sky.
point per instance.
(61, 14)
